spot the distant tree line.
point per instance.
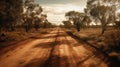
(26, 14)
(10, 13)
(102, 12)
(78, 20)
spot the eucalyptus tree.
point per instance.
(103, 13)
(2, 14)
(45, 22)
(103, 10)
(67, 24)
(32, 13)
(10, 13)
(117, 22)
(77, 18)
(87, 20)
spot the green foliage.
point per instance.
(67, 24)
(102, 11)
(117, 24)
(113, 39)
(10, 12)
(86, 21)
(31, 15)
(77, 18)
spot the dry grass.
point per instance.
(19, 35)
(109, 42)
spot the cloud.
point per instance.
(61, 8)
(56, 9)
(60, 1)
(56, 12)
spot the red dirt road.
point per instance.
(55, 49)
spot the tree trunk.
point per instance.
(26, 27)
(12, 28)
(0, 29)
(78, 27)
(103, 29)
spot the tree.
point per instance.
(2, 13)
(31, 16)
(37, 23)
(10, 13)
(102, 11)
(76, 17)
(67, 24)
(44, 20)
(87, 20)
(117, 24)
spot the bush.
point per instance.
(113, 40)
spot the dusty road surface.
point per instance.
(55, 49)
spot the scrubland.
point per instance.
(109, 42)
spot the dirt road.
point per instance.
(55, 49)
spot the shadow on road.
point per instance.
(111, 61)
(48, 44)
(56, 62)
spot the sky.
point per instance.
(56, 9)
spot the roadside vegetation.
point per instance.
(99, 26)
(20, 20)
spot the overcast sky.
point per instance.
(56, 9)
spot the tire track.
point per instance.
(54, 53)
(56, 49)
(22, 55)
(91, 57)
